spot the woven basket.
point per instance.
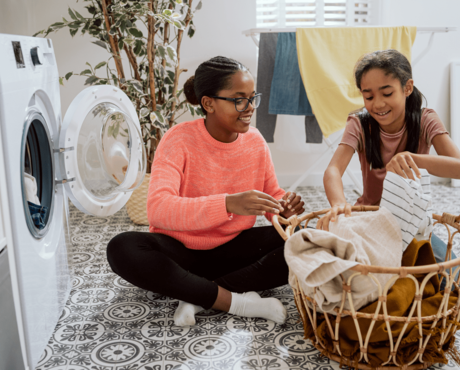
(446, 319)
(137, 203)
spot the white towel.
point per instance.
(410, 202)
(31, 189)
(318, 257)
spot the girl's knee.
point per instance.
(117, 249)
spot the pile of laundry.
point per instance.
(319, 259)
(38, 213)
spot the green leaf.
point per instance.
(199, 111)
(171, 53)
(74, 25)
(198, 7)
(73, 32)
(138, 47)
(79, 15)
(162, 51)
(192, 111)
(167, 12)
(138, 87)
(86, 72)
(135, 32)
(110, 131)
(61, 81)
(100, 43)
(90, 80)
(144, 112)
(68, 75)
(191, 31)
(121, 43)
(57, 24)
(178, 25)
(72, 15)
(101, 64)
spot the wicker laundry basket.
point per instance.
(137, 203)
(445, 322)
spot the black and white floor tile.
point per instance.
(109, 324)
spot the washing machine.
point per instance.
(95, 156)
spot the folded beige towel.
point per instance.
(318, 257)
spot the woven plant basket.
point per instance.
(446, 321)
(137, 203)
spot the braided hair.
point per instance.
(391, 62)
(211, 77)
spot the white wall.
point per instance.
(219, 25)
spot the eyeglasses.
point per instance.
(241, 104)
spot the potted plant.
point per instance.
(146, 36)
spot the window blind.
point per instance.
(304, 13)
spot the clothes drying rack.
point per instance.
(332, 145)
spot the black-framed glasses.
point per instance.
(241, 104)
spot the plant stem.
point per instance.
(180, 35)
(115, 51)
(132, 59)
(151, 56)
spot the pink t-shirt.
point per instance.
(391, 144)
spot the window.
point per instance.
(304, 13)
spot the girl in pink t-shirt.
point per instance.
(391, 133)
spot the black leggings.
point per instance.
(254, 260)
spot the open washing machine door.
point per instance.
(102, 155)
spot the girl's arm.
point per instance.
(445, 164)
(334, 187)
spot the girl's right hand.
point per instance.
(252, 203)
(331, 216)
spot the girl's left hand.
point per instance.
(401, 164)
(292, 204)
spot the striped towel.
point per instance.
(410, 202)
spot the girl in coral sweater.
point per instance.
(210, 178)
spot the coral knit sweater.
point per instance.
(192, 173)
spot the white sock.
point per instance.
(185, 314)
(250, 304)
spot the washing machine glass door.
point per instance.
(102, 155)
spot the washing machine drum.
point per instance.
(102, 155)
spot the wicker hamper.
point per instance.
(445, 323)
(137, 203)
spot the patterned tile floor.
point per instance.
(109, 324)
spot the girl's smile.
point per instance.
(385, 99)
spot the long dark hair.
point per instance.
(211, 77)
(391, 62)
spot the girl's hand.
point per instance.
(331, 216)
(252, 203)
(401, 165)
(292, 205)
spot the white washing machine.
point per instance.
(95, 157)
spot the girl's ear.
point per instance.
(409, 87)
(208, 104)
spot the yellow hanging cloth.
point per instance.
(327, 57)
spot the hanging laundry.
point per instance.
(287, 93)
(38, 214)
(266, 122)
(318, 257)
(327, 57)
(30, 185)
(410, 202)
